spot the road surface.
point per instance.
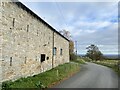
(91, 76)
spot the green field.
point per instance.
(110, 63)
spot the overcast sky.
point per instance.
(88, 22)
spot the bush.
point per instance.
(73, 57)
(39, 85)
(87, 59)
(5, 85)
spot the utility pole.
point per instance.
(76, 47)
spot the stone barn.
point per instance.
(29, 45)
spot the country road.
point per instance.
(91, 76)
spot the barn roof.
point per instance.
(36, 16)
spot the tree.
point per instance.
(67, 34)
(71, 47)
(94, 53)
(73, 56)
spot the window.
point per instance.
(47, 58)
(61, 51)
(10, 61)
(27, 28)
(42, 57)
(54, 50)
(13, 22)
(25, 59)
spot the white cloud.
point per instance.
(90, 31)
(97, 24)
(69, 0)
(89, 23)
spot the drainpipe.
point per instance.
(53, 51)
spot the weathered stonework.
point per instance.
(24, 37)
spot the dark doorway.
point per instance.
(42, 57)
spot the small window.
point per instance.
(42, 57)
(54, 50)
(44, 45)
(47, 58)
(13, 22)
(10, 61)
(61, 51)
(25, 59)
(27, 28)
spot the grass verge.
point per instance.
(79, 61)
(44, 80)
(111, 64)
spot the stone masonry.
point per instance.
(27, 43)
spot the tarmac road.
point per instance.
(91, 76)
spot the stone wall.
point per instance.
(24, 38)
(61, 43)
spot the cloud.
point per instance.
(68, 0)
(88, 22)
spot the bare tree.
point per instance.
(66, 34)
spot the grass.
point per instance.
(45, 79)
(79, 60)
(111, 64)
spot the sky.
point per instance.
(88, 22)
